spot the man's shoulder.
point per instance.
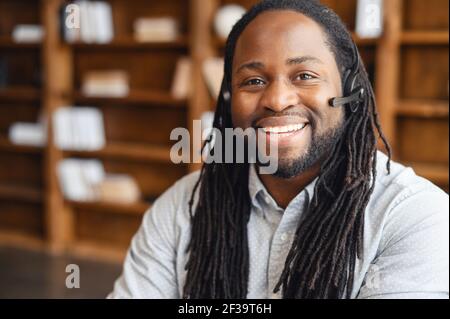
(402, 177)
(181, 189)
(172, 206)
(403, 185)
(187, 182)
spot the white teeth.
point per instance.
(284, 129)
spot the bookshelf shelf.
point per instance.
(141, 96)
(7, 146)
(138, 208)
(425, 37)
(131, 44)
(20, 239)
(128, 151)
(8, 43)
(21, 193)
(423, 108)
(20, 94)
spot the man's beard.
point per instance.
(320, 146)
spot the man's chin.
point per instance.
(291, 168)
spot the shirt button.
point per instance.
(283, 237)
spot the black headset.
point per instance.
(353, 93)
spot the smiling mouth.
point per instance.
(285, 135)
(284, 129)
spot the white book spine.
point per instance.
(104, 21)
(62, 127)
(369, 18)
(86, 27)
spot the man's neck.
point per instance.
(283, 190)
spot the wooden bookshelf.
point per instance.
(424, 37)
(22, 191)
(408, 67)
(181, 43)
(140, 96)
(8, 43)
(20, 94)
(423, 55)
(138, 208)
(22, 239)
(128, 151)
(423, 108)
(7, 146)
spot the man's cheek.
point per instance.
(241, 116)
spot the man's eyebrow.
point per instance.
(301, 59)
(255, 65)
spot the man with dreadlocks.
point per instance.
(338, 219)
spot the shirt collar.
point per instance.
(255, 186)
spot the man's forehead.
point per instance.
(271, 31)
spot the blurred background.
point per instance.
(90, 91)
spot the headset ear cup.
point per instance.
(346, 88)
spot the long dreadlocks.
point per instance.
(329, 238)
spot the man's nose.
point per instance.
(279, 95)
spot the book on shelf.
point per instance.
(30, 134)
(213, 73)
(78, 128)
(369, 18)
(110, 83)
(161, 29)
(85, 180)
(88, 22)
(117, 188)
(27, 33)
(181, 84)
(78, 177)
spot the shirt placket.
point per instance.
(281, 244)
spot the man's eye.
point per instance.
(304, 76)
(256, 82)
